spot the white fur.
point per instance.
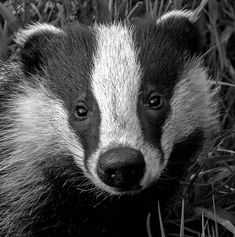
(116, 82)
(192, 16)
(36, 29)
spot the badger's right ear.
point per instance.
(181, 26)
(37, 42)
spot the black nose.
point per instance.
(121, 168)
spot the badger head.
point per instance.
(120, 102)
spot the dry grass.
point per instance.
(208, 193)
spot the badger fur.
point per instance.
(98, 123)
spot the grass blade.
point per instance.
(182, 220)
(160, 220)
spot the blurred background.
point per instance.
(206, 202)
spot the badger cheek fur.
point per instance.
(40, 122)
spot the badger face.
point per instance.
(116, 99)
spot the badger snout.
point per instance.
(121, 168)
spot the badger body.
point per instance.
(99, 123)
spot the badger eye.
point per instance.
(154, 102)
(81, 112)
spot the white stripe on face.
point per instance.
(116, 82)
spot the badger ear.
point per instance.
(37, 43)
(182, 28)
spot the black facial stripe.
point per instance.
(152, 129)
(160, 59)
(161, 65)
(183, 152)
(70, 72)
(72, 64)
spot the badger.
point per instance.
(98, 123)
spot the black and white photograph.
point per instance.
(117, 118)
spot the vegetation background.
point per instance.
(206, 206)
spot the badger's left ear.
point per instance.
(182, 28)
(38, 43)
